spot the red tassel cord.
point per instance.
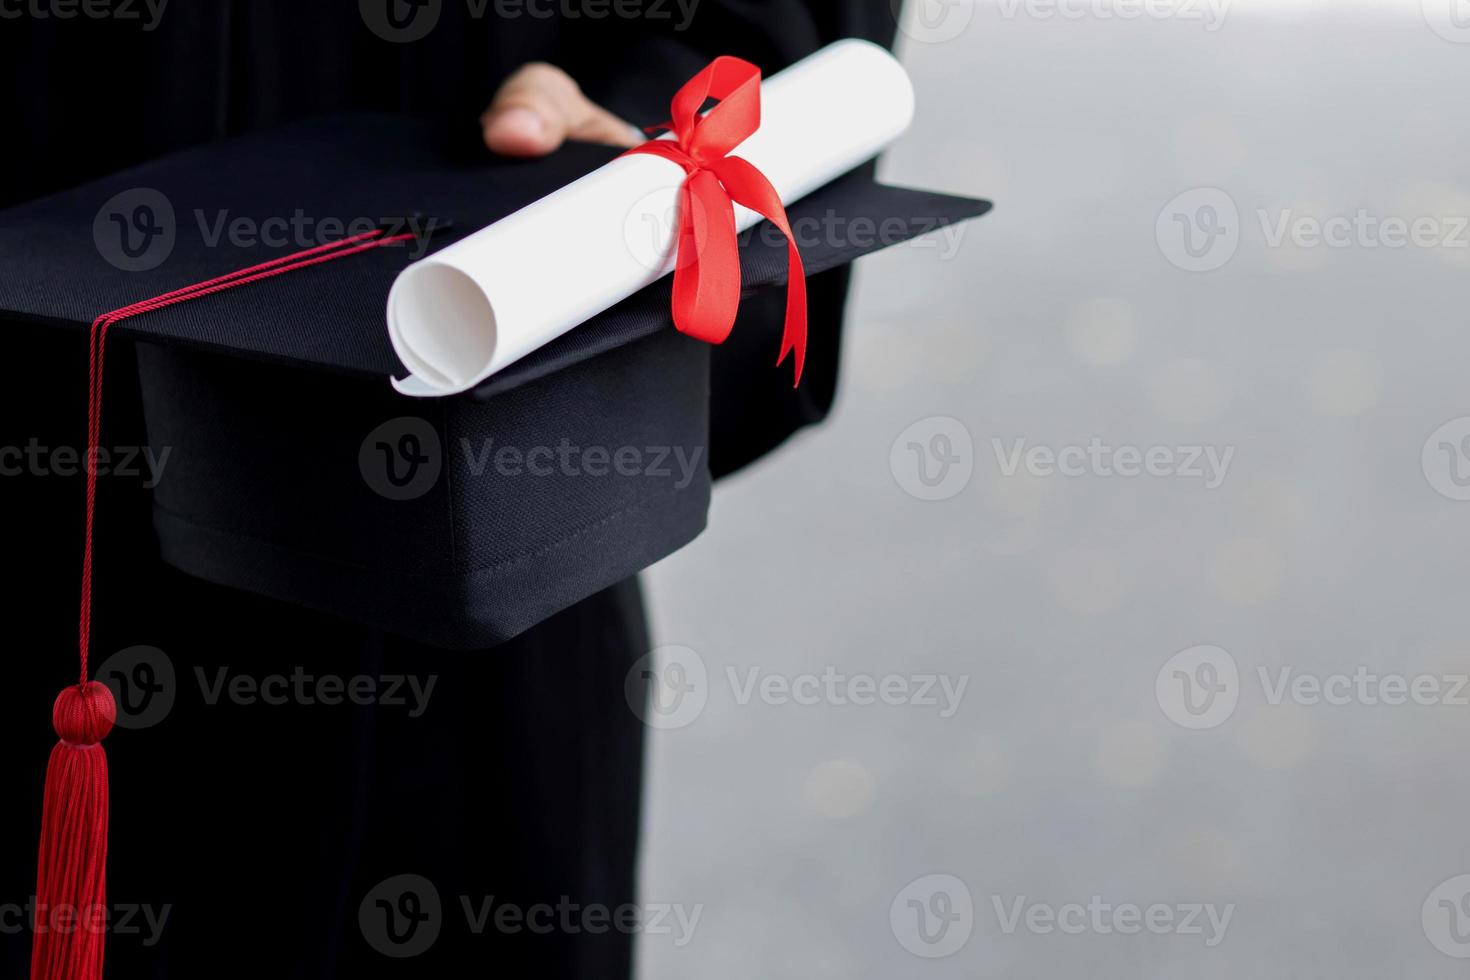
(71, 873)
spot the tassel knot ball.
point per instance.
(84, 714)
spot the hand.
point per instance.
(540, 107)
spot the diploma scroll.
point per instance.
(467, 311)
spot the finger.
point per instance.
(539, 107)
(528, 116)
(597, 125)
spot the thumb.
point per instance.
(539, 107)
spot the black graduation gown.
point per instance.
(274, 838)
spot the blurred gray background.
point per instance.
(1139, 726)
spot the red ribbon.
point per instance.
(707, 270)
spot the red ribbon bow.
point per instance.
(707, 269)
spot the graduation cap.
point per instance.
(252, 276)
(266, 393)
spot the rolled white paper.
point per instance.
(467, 311)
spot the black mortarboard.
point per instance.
(295, 471)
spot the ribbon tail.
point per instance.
(793, 334)
(749, 187)
(707, 270)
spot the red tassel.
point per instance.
(71, 878)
